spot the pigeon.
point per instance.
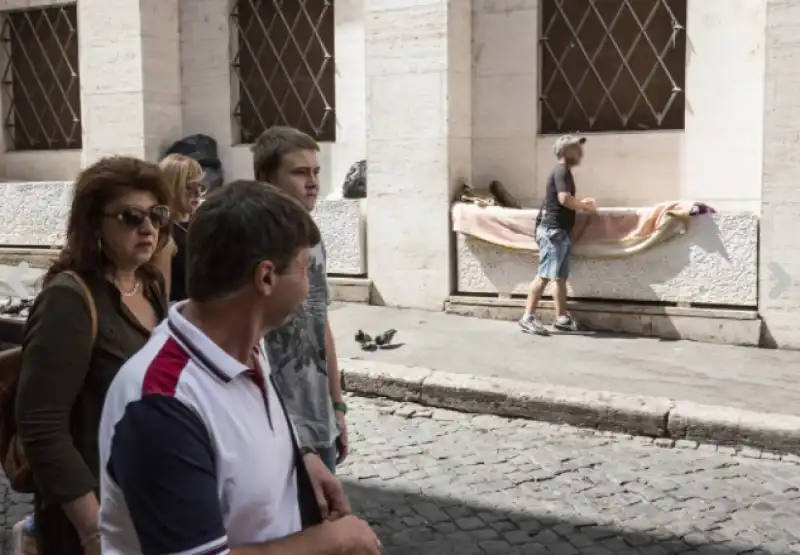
(367, 344)
(385, 338)
(381, 341)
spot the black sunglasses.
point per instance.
(133, 217)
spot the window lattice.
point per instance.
(284, 66)
(40, 85)
(612, 65)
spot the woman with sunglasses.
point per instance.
(117, 221)
(184, 177)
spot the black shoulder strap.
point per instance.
(310, 514)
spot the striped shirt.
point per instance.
(197, 454)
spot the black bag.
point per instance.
(203, 149)
(355, 183)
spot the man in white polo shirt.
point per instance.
(198, 455)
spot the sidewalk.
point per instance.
(675, 389)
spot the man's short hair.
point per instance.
(275, 143)
(239, 226)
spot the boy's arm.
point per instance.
(565, 193)
(334, 376)
(335, 385)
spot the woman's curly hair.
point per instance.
(95, 188)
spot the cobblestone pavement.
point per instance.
(436, 482)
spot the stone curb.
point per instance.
(633, 414)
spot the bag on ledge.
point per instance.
(355, 182)
(12, 454)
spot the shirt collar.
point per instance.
(203, 351)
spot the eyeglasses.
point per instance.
(196, 189)
(133, 217)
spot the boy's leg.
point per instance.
(530, 323)
(547, 271)
(538, 286)
(564, 250)
(560, 298)
(564, 320)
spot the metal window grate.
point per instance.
(612, 65)
(284, 65)
(40, 85)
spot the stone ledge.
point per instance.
(343, 226)
(715, 262)
(710, 325)
(342, 288)
(634, 414)
(350, 289)
(34, 213)
(40, 258)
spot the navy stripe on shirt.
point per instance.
(163, 461)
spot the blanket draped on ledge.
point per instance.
(610, 233)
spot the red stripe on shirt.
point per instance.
(164, 372)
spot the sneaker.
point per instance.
(532, 324)
(565, 323)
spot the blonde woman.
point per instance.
(184, 176)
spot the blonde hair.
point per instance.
(178, 171)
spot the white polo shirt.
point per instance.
(196, 457)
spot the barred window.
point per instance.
(40, 86)
(612, 65)
(284, 66)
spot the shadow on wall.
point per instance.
(712, 243)
(663, 273)
(419, 524)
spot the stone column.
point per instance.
(130, 76)
(779, 247)
(419, 127)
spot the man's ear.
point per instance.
(265, 277)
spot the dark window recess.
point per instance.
(40, 86)
(284, 66)
(612, 65)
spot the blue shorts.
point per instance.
(555, 246)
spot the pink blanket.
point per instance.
(610, 233)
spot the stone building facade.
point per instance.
(434, 93)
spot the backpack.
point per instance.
(12, 455)
(203, 149)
